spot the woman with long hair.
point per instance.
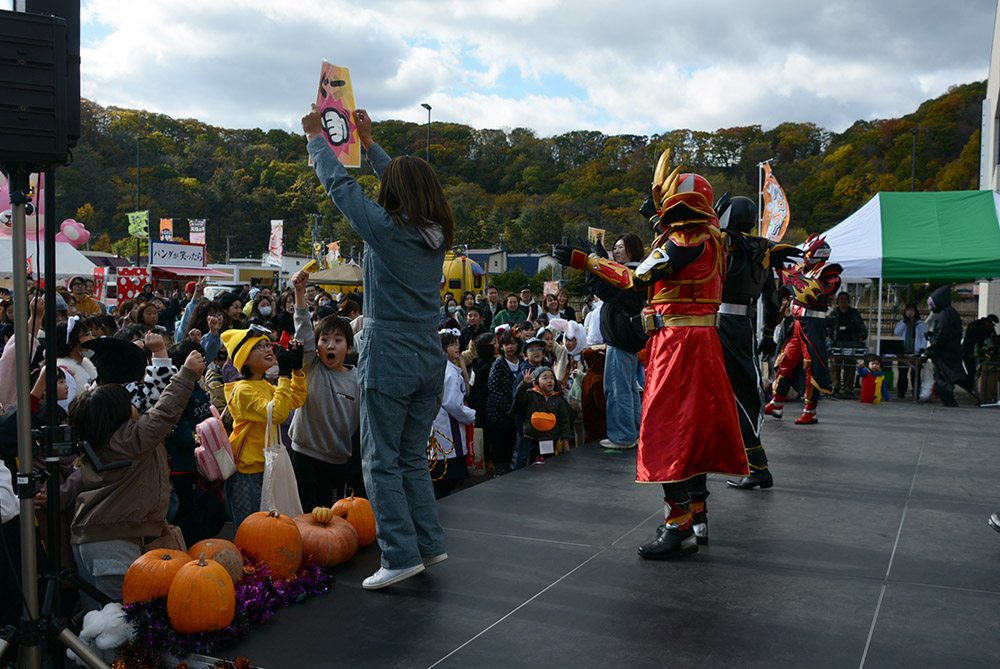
(621, 365)
(401, 366)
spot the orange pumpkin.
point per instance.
(201, 597)
(224, 552)
(329, 543)
(151, 574)
(358, 512)
(323, 514)
(543, 421)
(274, 539)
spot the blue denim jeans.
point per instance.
(525, 447)
(621, 388)
(402, 377)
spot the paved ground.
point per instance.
(872, 550)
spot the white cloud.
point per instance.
(637, 66)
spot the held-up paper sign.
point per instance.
(335, 101)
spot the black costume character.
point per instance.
(748, 277)
(945, 347)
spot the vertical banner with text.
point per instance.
(275, 245)
(100, 280)
(166, 229)
(196, 230)
(138, 223)
(776, 215)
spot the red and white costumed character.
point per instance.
(689, 422)
(810, 285)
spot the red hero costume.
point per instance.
(689, 424)
(810, 284)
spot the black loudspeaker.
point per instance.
(69, 11)
(33, 126)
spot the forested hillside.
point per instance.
(510, 182)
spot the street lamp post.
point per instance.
(428, 108)
(138, 240)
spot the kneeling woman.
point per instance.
(119, 509)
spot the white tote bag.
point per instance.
(280, 491)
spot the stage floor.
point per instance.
(872, 550)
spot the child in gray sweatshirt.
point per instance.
(324, 429)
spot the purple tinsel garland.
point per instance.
(258, 597)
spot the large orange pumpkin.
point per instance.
(201, 597)
(358, 512)
(224, 552)
(151, 574)
(274, 539)
(329, 543)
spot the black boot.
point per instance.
(758, 477)
(675, 537)
(669, 544)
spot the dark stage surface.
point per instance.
(872, 550)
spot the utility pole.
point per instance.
(228, 237)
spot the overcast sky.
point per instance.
(618, 66)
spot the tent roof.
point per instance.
(921, 237)
(347, 274)
(69, 261)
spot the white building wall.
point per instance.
(989, 154)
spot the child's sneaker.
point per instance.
(539, 461)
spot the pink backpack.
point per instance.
(215, 454)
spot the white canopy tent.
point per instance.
(69, 261)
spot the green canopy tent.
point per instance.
(920, 237)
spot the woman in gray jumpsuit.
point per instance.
(401, 365)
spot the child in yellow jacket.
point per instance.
(253, 354)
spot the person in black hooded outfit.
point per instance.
(945, 347)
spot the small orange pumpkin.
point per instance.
(151, 574)
(275, 540)
(201, 597)
(329, 543)
(543, 421)
(323, 514)
(224, 552)
(358, 512)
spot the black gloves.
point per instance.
(767, 346)
(288, 361)
(564, 253)
(596, 247)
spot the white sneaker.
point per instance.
(431, 561)
(384, 577)
(607, 443)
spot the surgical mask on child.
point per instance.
(265, 311)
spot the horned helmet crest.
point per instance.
(680, 197)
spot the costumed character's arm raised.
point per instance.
(576, 257)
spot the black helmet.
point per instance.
(738, 213)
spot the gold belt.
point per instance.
(684, 320)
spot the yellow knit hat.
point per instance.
(239, 343)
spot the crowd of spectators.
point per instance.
(136, 379)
